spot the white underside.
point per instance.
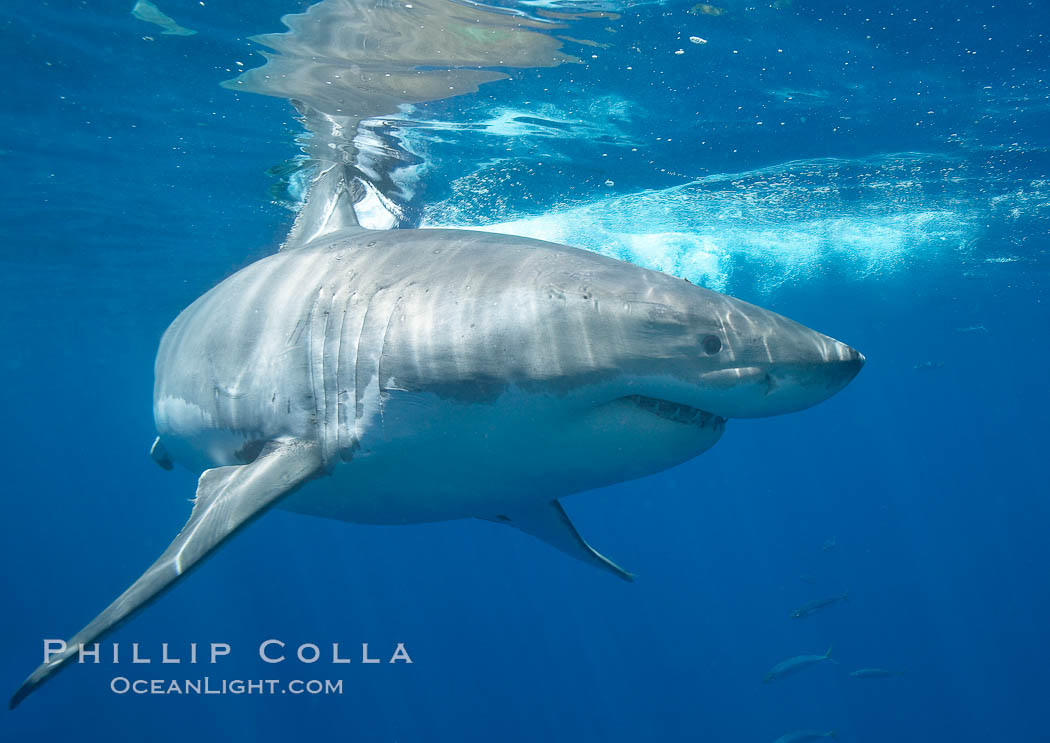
(427, 458)
(434, 460)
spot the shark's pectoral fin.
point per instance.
(550, 523)
(227, 499)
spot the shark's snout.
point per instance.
(855, 363)
(770, 365)
(844, 365)
(848, 366)
(798, 383)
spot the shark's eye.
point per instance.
(712, 344)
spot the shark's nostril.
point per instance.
(853, 366)
(856, 360)
(851, 357)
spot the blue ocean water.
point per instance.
(876, 171)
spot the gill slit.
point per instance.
(312, 367)
(358, 393)
(382, 353)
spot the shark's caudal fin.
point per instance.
(227, 499)
(549, 522)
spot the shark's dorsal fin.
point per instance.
(227, 499)
(329, 206)
(549, 522)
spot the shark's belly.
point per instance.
(434, 459)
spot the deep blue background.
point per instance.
(134, 183)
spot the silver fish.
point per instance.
(146, 11)
(794, 665)
(875, 673)
(804, 736)
(814, 606)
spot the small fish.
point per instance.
(928, 365)
(814, 606)
(972, 329)
(706, 9)
(146, 11)
(829, 544)
(804, 736)
(791, 93)
(875, 673)
(795, 664)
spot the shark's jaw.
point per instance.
(678, 412)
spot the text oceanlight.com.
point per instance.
(206, 685)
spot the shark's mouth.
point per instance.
(677, 412)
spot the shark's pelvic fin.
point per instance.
(227, 499)
(329, 206)
(550, 523)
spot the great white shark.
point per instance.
(409, 376)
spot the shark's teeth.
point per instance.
(676, 412)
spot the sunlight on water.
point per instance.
(602, 116)
(709, 251)
(784, 224)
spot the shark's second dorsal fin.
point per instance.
(329, 207)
